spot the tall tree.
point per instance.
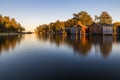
(1, 23)
(6, 23)
(9, 25)
(105, 18)
(84, 17)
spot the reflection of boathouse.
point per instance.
(106, 46)
(80, 45)
(84, 45)
(103, 44)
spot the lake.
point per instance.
(58, 57)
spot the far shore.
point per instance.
(16, 33)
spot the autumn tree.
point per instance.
(116, 24)
(105, 18)
(20, 28)
(1, 23)
(8, 24)
(84, 17)
(52, 26)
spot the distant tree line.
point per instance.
(82, 16)
(8, 25)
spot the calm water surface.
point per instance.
(53, 57)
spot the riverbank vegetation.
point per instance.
(10, 25)
(83, 17)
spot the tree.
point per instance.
(14, 23)
(6, 23)
(57, 24)
(105, 18)
(1, 18)
(52, 26)
(84, 17)
(9, 25)
(20, 28)
(1, 22)
(116, 24)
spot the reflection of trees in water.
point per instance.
(83, 44)
(96, 40)
(41, 37)
(57, 39)
(117, 39)
(9, 42)
(80, 44)
(104, 44)
(83, 48)
(105, 49)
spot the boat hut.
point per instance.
(95, 29)
(118, 30)
(68, 31)
(82, 28)
(101, 29)
(73, 30)
(107, 29)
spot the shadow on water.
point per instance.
(83, 44)
(8, 42)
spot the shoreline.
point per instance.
(16, 33)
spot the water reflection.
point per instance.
(83, 44)
(102, 44)
(80, 44)
(42, 60)
(8, 42)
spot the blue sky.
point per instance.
(31, 13)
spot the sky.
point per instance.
(32, 13)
